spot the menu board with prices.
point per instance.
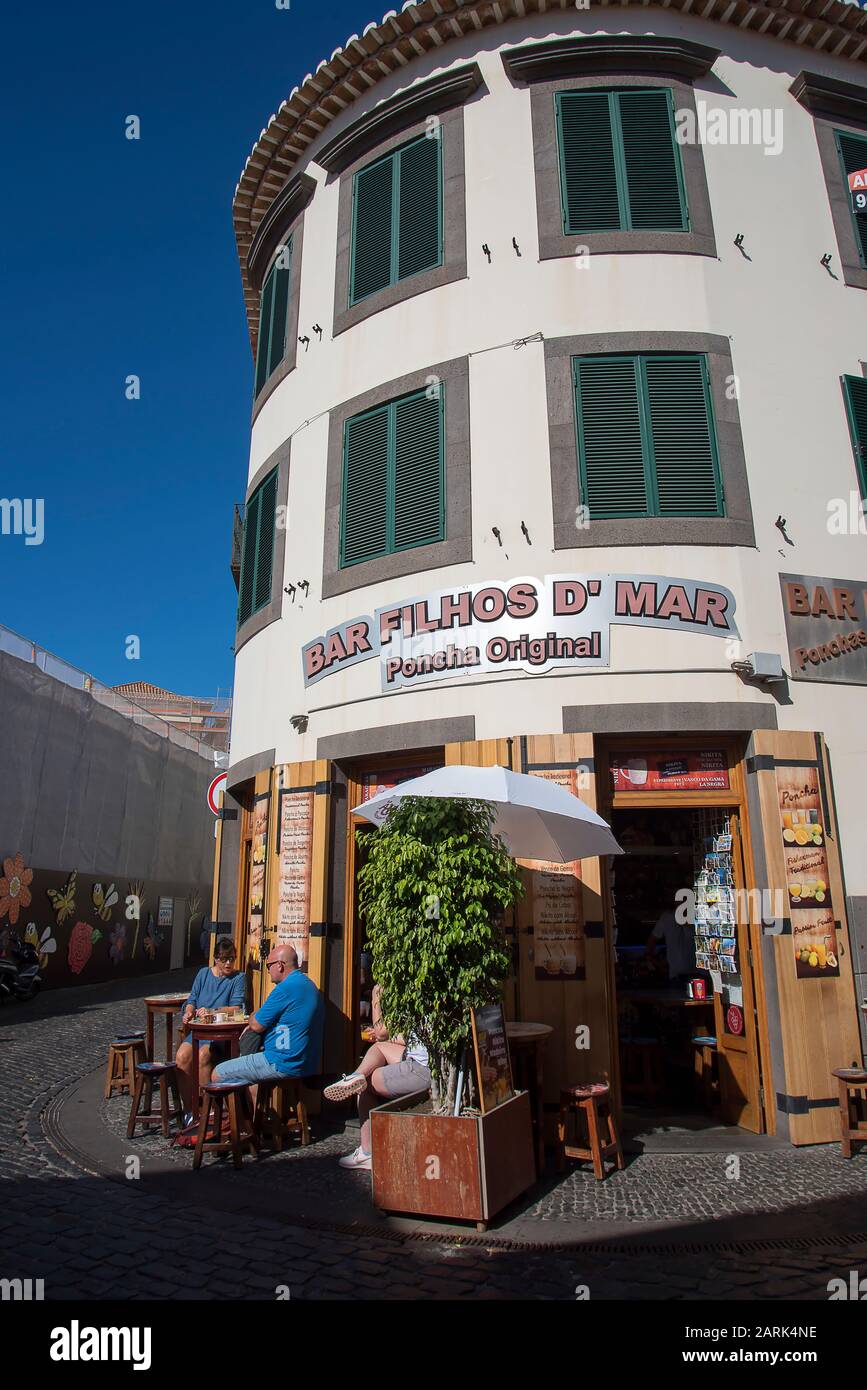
(557, 904)
(258, 857)
(808, 877)
(295, 848)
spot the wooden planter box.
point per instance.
(465, 1169)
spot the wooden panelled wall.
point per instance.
(565, 1005)
(818, 1021)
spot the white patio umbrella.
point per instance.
(537, 819)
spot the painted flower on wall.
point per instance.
(153, 939)
(63, 899)
(14, 890)
(117, 944)
(44, 944)
(81, 943)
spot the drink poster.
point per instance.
(703, 770)
(296, 864)
(258, 857)
(493, 1064)
(808, 879)
(557, 904)
(372, 783)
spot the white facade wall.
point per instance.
(794, 331)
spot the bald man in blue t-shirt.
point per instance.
(291, 1020)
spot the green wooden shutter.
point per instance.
(265, 542)
(418, 470)
(610, 450)
(282, 282)
(266, 305)
(855, 392)
(682, 437)
(257, 557)
(588, 174)
(364, 513)
(248, 560)
(651, 162)
(646, 438)
(419, 241)
(373, 230)
(852, 150)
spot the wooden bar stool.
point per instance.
(852, 1083)
(641, 1061)
(280, 1114)
(123, 1054)
(593, 1102)
(164, 1074)
(241, 1138)
(704, 1055)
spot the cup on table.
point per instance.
(219, 1018)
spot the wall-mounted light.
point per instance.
(299, 722)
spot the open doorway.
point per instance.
(686, 1023)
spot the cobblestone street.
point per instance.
(670, 1226)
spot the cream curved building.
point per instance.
(557, 460)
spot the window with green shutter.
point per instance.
(855, 392)
(273, 316)
(393, 477)
(646, 437)
(257, 555)
(397, 217)
(852, 150)
(620, 167)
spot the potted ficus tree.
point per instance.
(433, 891)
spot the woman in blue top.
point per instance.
(215, 987)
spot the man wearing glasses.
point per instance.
(291, 1021)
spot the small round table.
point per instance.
(210, 1033)
(527, 1046)
(168, 1005)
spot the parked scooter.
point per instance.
(20, 976)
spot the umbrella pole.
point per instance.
(459, 1089)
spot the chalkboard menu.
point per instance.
(493, 1065)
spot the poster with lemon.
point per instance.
(807, 876)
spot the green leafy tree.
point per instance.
(432, 894)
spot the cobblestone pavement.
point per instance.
(93, 1238)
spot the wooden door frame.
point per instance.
(354, 771)
(734, 799)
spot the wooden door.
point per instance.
(737, 1028)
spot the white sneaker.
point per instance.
(357, 1159)
(347, 1086)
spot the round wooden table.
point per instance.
(167, 1004)
(210, 1033)
(527, 1047)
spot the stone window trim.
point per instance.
(553, 242)
(457, 548)
(454, 264)
(290, 359)
(836, 106)
(274, 609)
(735, 528)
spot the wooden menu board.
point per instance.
(557, 904)
(493, 1064)
(295, 847)
(258, 855)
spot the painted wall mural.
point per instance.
(88, 929)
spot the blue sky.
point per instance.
(119, 261)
